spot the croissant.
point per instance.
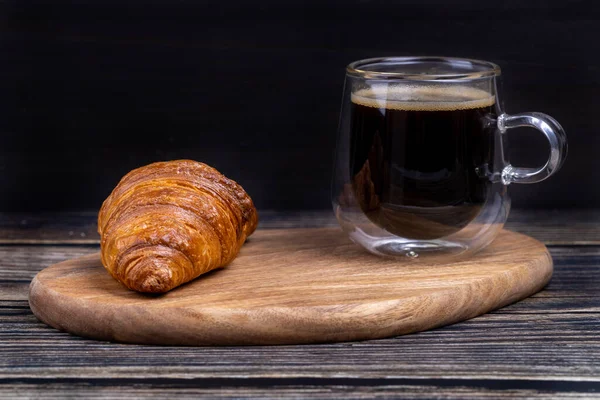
(166, 223)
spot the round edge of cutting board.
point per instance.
(299, 324)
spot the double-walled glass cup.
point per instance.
(420, 166)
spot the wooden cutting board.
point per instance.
(292, 286)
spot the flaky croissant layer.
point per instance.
(166, 223)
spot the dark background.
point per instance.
(90, 91)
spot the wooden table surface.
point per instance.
(547, 346)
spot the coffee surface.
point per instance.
(417, 156)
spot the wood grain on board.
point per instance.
(293, 286)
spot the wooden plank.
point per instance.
(48, 228)
(544, 347)
(558, 227)
(21, 263)
(552, 227)
(12, 290)
(331, 389)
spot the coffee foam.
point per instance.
(423, 98)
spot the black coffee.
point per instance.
(418, 158)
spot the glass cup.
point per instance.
(420, 168)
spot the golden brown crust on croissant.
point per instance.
(168, 222)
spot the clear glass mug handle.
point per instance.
(556, 137)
